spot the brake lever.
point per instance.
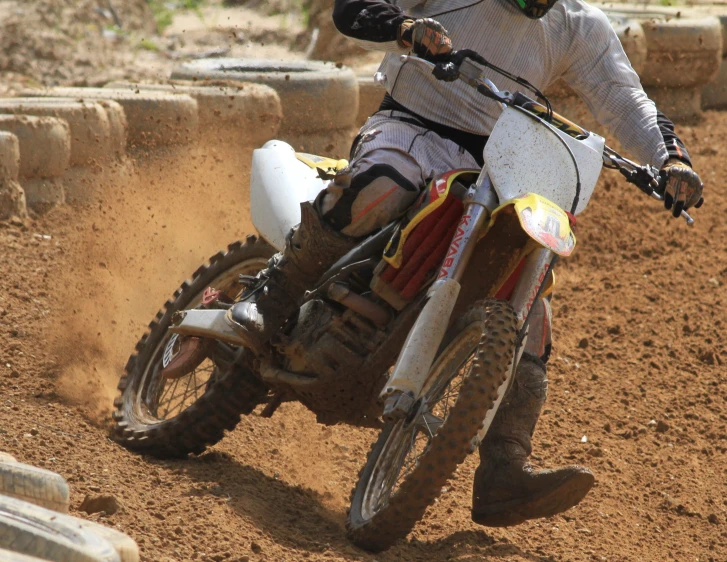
(641, 178)
(646, 178)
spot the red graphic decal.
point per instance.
(454, 247)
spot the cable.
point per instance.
(459, 56)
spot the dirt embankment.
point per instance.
(54, 42)
(637, 385)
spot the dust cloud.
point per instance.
(146, 226)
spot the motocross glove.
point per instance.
(426, 38)
(683, 188)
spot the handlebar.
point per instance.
(646, 178)
(460, 65)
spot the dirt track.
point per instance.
(637, 370)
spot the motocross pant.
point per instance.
(391, 162)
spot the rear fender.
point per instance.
(280, 180)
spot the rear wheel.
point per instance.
(173, 416)
(414, 458)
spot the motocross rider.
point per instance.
(425, 128)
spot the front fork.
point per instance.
(412, 368)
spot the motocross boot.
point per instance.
(273, 296)
(507, 489)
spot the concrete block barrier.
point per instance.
(12, 196)
(42, 194)
(118, 126)
(316, 97)
(9, 156)
(684, 56)
(45, 144)
(685, 50)
(88, 123)
(45, 152)
(370, 94)
(239, 114)
(714, 95)
(154, 119)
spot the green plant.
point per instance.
(163, 11)
(148, 45)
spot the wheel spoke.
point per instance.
(183, 398)
(186, 388)
(165, 389)
(409, 445)
(156, 398)
(174, 387)
(431, 423)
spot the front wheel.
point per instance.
(414, 458)
(174, 416)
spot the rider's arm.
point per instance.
(599, 70)
(373, 24)
(674, 145)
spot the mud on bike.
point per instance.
(416, 332)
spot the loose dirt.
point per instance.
(56, 42)
(637, 386)
(636, 382)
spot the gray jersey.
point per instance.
(574, 41)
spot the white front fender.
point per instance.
(279, 183)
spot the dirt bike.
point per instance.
(416, 332)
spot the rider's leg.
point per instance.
(369, 194)
(310, 249)
(377, 188)
(391, 163)
(507, 489)
(372, 192)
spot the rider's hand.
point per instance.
(426, 38)
(683, 188)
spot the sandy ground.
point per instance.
(636, 382)
(56, 42)
(637, 390)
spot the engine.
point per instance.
(332, 343)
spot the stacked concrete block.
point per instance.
(714, 96)
(88, 123)
(685, 51)
(45, 154)
(684, 56)
(319, 100)
(241, 115)
(98, 139)
(12, 196)
(154, 119)
(64, 144)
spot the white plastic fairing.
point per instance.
(279, 183)
(524, 155)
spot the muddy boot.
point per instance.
(507, 489)
(311, 248)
